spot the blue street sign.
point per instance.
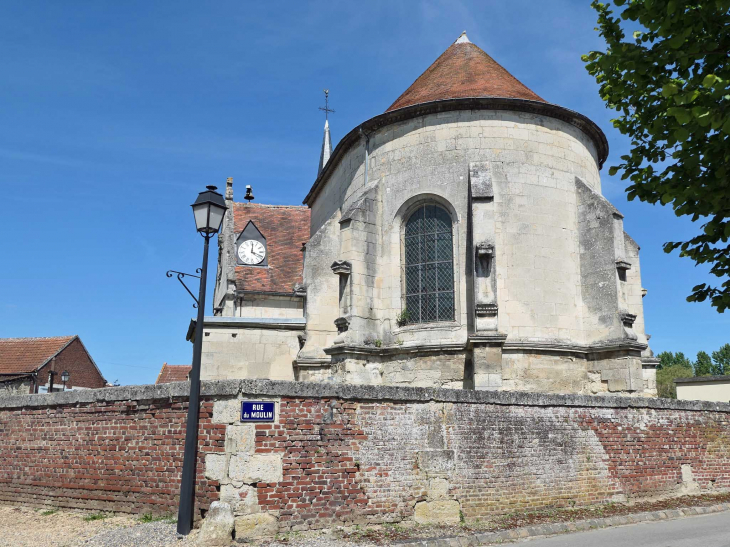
(257, 411)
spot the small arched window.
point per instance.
(429, 265)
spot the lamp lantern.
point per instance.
(209, 210)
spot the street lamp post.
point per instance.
(64, 378)
(208, 210)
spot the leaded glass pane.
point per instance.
(429, 219)
(445, 277)
(429, 281)
(413, 279)
(443, 246)
(429, 248)
(442, 220)
(415, 223)
(413, 305)
(429, 310)
(446, 306)
(429, 270)
(413, 249)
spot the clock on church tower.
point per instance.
(251, 247)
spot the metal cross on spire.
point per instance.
(326, 108)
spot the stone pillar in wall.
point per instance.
(485, 340)
(608, 316)
(357, 271)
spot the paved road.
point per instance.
(701, 531)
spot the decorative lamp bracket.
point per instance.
(180, 276)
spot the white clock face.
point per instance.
(251, 252)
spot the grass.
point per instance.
(49, 512)
(149, 517)
(95, 516)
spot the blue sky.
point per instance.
(115, 114)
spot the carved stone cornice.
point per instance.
(342, 324)
(341, 267)
(627, 319)
(486, 310)
(484, 249)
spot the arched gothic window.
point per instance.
(429, 265)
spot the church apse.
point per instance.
(460, 240)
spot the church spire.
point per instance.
(326, 147)
(326, 141)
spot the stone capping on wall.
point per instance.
(277, 388)
(701, 379)
(296, 323)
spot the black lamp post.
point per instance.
(209, 210)
(64, 378)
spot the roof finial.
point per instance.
(463, 39)
(326, 108)
(326, 141)
(229, 188)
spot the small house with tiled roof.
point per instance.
(460, 240)
(27, 365)
(173, 373)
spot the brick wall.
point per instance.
(123, 455)
(74, 359)
(340, 455)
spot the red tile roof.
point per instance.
(462, 71)
(286, 229)
(19, 355)
(173, 373)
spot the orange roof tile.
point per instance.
(173, 373)
(463, 71)
(19, 355)
(286, 229)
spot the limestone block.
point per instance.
(436, 462)
(215, 467)
(217, 527)
(689, 485)
(226, 412)
(243, 499)
(256, 526)
(240, 438)
(256, 468)
(438, 489)
(435, 512)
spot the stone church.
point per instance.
(458, 240)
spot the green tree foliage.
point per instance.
(703, 364)
(721, 360)
(670, 84)
(665, 379)
(668, 359)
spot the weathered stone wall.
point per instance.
(270, 306)
(248, 348)
(342, 455)
(559, 258)
(21, 386)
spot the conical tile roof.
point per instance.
(463, 71)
